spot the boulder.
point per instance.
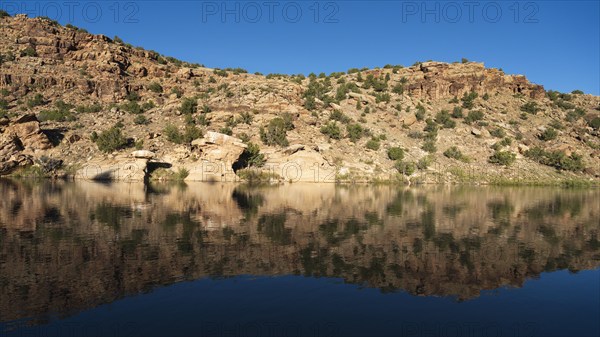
(143, 154)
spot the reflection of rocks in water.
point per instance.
(67, 247)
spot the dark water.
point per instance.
(87, 259)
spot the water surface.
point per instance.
(89, 259)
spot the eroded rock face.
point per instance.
(19, 140)
(217, 155)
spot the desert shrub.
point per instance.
(373, 144)
(398, 89)
(132, 107)
(355, 132)
(110, 140)
(594, 123)
(226, 131)
(36, 100)
(505, 158)
(575, 114)
(548, 134)
(395, 153)
(177, 91)
(473, 116)
(174, 135)
(556, 159)
(498, 133)
(275, 133)
(406, 168)
(577, 92)
(92, 108)
(140, 120)
(429, 146)
(485, 96)
(457, 112)
(251, 157)
(245, 118)
(188, 106)
(3, 104)
(331, 130)
(29, 51)
(288, 120)
(61, 113)
(155, 87)
(382, 97)
(557, 125)
(4, 14)
(468, 100)
(133, 96)
(530, 107)
(424, 162)
(203, 120)
(420, 114)
(444, 118)
(454, 153)
(339, 116)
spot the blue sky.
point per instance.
(553, 43)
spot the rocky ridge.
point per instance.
(62, 87)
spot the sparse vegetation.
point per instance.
(557, 159)
(355, 132)
(155, 87)
(474, 116)
(188, 106)
(395, 153)
(275, 133)
(331, 130)
(548, 134)
(454, 153)
(505, 158)
(110, 140)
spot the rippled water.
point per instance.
(89, 259)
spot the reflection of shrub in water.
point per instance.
(273, 226)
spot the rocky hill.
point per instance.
(77, 104)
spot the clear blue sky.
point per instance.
(553, 43)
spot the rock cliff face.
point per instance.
(336, 127)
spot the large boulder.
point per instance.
(27, 129)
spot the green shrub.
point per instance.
(594, 123)
(373, 144)
(140, 120)
(444, 118)
(498, 133)
(173, 134)
(398, 89)
(188, 106)
(420, 114)
(505, 158)
(132, 107)
(251, 157)
(557, 125)
(155, 87)
(355, 132)
(331, 130)
(226, 131)
(339, 116)
(4, 92)
(29, 51)
(548, 134)
(275, 133)
(457, 112)
(177, 91)
(577, 92)
(3, 104)
(485, 96)
(556, 159)
(406, 168)
(110, 140)
(424, 162)
(93, 108)
(133, 96)
(395, 153)
(454, 153)
(574, 115)
(473, 116)
(245, 118)
(530, 107)
(4, 14)
(468, 100)
(37, 100)
(190, 133)
(429, 146)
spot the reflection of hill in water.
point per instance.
(68, 247)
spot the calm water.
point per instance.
(88, 259)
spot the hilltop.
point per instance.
(77, 104)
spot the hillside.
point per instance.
(77, 104)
